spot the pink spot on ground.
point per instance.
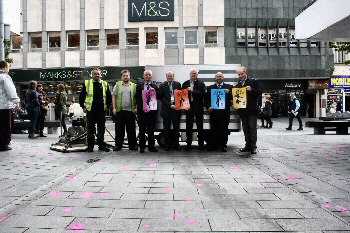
(326, 205)
(124, 167)
(25, 162)
(108, 175)
(145, 226)
(56, 193)
(3, 218)
(292, 177)
(342, 209)
(168, 190)
(99, 162)
(131, 175)
(348, 178)
(153, 165)
(175, 214)
(77, 227)
(200, 185)
(72, 178)
(192, 222)
(104, 194)
(268, 164)
(68, 209)
(234, 168)
(86, 195)
(327, 154)
(189, 199)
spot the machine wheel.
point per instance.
(160, 139)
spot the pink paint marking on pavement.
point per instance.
(68, 209)
(145, 226)
(189, 199)
(78, 227)
(326, 205)
(175, 214)
(168, 190)
(192, 222)
(153, 165)
(124, 167)
(104, 194)
(342, 209)
(72, 178)
(268, 164)
(86, 195)
(131, 175)
(108, 175)
(3, 218)
(234, 168)
(292, 177)
(200, 185)
(55, 193)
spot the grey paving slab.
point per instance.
(260, 225)
(270, 213)
(94, 224)
(312, 224)
(37, 221)
(156, 225)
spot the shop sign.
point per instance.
(340, 82)
(154, 10)
(293, 85)
(318, 84)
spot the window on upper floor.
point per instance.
(54, 39)
(132, 37)
(170, 36)
(151, 38)
(112, 37)
(291, 36)
(272, 37)
(211, 36)
(35, 41)
(73, 39)
(339, 56)
(92, 38)
(16, 42)
(241, 37)
(282, 37)
(251, 37)
(190, 37)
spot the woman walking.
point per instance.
(32, 106)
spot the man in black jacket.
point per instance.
(196, 95)
(249, 114)
(95, 98)
(169, 113)
(146, 119)
(219, 118)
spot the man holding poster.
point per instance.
(249, 114)
(218, 103)
(146, 94)
(170, 114)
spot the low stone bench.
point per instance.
(321, 126)
(52, 126)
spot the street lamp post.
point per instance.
(2, 31)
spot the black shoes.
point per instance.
(135, 148)
(188, 148)
(253, 152)
(224, 149)
(201, 148)
(90, 149)
(177, 148)
(300, 128)
(42, 135)
(104, 148)
(152, 149)
(142, 150)
(167, 148)
(116, 148)
(244, 149)
(5, 148)
(288, 128)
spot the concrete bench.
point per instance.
(320, 126)
(52, 126)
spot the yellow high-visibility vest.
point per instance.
(119, 97)
(89, 84)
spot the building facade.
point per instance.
(63, 39)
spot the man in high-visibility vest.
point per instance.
(124, 109)
(95, 98)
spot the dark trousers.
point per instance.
(268, 121)
(147, 123)
(33, 113)
(125, 119)
(190, 114)
(5, 127)
(40, 123)
(171, 137)
(249, 124)
(291, 117)
(93, 118)
(63, 123)
(219, 121)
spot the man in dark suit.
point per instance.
(196, 94)
(249, 114)
(219, 118)
(146, 119)
(169, 113)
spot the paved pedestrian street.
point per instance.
(298, 182)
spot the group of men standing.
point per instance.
(127, 103)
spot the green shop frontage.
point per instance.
(72, 78)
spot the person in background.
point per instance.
(146, 119)
(8, 100)
(196, 93)
(294, 111)
(124, 109)
(169, 113)
(61, 106)
(219, 118)
(42, 110)
(248, 115)
(268, 112)
(95, 98)
(261, 110)
(32, 107)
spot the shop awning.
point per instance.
(324, 20)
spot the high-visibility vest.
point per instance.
(89, 84)
(119, 97)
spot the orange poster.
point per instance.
(181, 99)
(239, 97)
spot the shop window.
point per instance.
(170, 37)
(54, 41)
(272, 37)
(151, 38)
(73, 40)
(112, 38)
(292, 41)
(314, 44)
(191, 37)
(211, 36)
(303, 43)
(92, 39)
(251, 37)
(262, 37)
(132, 37)
(16, 43)
(282, 37)
(35, 41)
(241, 37)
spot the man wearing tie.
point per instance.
(249, 114)
(196, 93)
(219, 118)
(146, 118)
(169, 113)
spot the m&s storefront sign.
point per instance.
(150, 10)
(340, 82)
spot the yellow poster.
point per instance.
(239, 97)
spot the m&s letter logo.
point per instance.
(151, 10)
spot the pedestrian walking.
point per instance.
(294, 111)
(8, 101)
